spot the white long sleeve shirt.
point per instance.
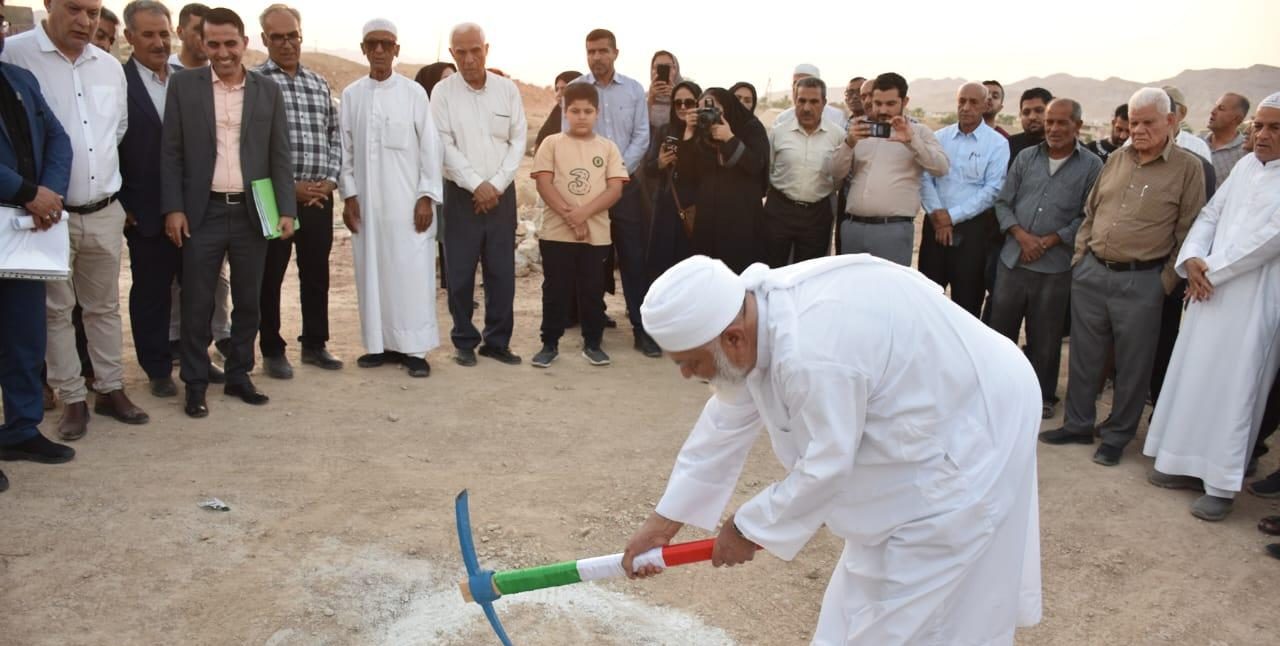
(483, 131)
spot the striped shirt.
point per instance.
(314, 138)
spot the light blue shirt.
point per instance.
(979, 161)
(624, 117)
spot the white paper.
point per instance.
(28, 253)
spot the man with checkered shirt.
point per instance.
(317, 158)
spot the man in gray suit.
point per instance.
(224, 128)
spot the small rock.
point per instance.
(413, 551)
(814, 574)
(328, 612)
(584, 532)
(392, 417)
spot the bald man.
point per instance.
(956, 234)
(905, 427)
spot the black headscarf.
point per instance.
(735, 114)
(755, 99)
(429, 75)
(675, 124)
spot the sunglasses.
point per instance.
(685, 104)
(374, 43)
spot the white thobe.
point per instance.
(1227, 351)
(391, 157)
(908, 428)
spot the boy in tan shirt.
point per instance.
(580, 176)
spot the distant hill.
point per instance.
(1099, 98)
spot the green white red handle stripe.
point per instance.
(594, 569)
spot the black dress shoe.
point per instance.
(196, 407)
(322, 358)
(1063, 436)
(216, 375)
(417, 367)
(609, 321)
(277, 367)
(465, 357)
(645, 344)
(247, 392)
(1108, 456)
(38, 449)
(371, 360)
(164, 387)
(501, 354)
(4, 482)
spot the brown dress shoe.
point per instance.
(116, 404)
(74, 423)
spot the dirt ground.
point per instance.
(341, 523)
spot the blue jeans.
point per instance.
(22, 347)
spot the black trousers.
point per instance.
(1170, 323)
(1041, 301)
(806, 230)
(629, 231)
(489, 240)
(233, 231)
(154, 263)
(572, 270)
(1270, 420)
(313, 242)
(962, 266)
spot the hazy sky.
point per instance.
(535, 40)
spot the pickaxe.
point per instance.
(485, 586)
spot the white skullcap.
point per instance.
(692, 303)
(379, 24)
(806, 68)
(1272, 101)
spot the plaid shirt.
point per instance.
(314, 137)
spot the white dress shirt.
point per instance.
(483, 131)
(156, 87)
(801, 164)
(89, 97)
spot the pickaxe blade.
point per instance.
(479, 584)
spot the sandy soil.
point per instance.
(341, 528)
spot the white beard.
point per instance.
(727, 374)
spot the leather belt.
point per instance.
(804, 205)
(1132, 265)
(92, 207)
(884, 220)
(227, 198)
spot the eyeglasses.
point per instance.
(279, 39)
(385, 43)
(685, 104)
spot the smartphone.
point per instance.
(664, 72)
(671, 143)
(880, 129)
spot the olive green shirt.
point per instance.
(1140, 212)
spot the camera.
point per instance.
(879, 129)
(708, 115)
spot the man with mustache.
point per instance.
(905, 427)
(87, 89)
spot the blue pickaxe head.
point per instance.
(479, 586)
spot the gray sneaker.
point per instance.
(1167, 481)
(595, 356)
(545, 356)
(1211, 508)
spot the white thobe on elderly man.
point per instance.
(1227, 353)
(390, 183)
(906, 426)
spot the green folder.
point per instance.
(264, 198)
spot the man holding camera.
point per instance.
(889, 155)
(802, 175)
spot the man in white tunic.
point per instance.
(906, 426)
(391, 183)
(1227, 353)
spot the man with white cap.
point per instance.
(906, 427)
(830, 113)
(390, 183)
(1203, 429)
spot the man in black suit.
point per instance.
(224, 128)
(153, 259)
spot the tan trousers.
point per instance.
(97, 240)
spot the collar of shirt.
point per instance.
(150, 74)
(1043, 146)
(1231, 145)
(974, 134)
(46, 45)
(795, 125)
(591, 78)
(1164, 154)
(272, 67)
(217, 80)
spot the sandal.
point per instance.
(1270, 525)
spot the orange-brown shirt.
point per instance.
(1142, 211)
(228, 106)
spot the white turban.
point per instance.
(807, 68)
(692, 303)
(379, 24)
(1272, 101)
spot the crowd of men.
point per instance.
(1119, 242)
